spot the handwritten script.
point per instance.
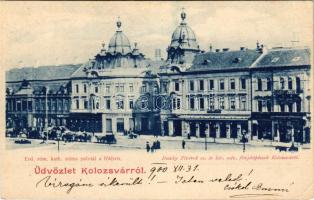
(238, 185)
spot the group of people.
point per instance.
(153, 147)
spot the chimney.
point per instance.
(210, 48)
(225, 49)
(217, 50)
(257, 45)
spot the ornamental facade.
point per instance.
(219, 94)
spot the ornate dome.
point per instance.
(119, 43)
(184, 36)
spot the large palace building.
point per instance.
(220, 94)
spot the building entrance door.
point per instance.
(165, 127)
(192, 129)
(144, 125)
(120, 125)
(212, 129)
(177, 127)
(202, 129)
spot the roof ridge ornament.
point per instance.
(183, 16)
(119, 24)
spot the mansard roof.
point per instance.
(131, 71)
(41, 73)
(224, 60)
(285, 57)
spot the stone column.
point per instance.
(239, 131)
(228, 130)
(126, 123)
(197, 129)
(170, 126)
(114, 125)
(186, 128)
(103, 123)
(207, 130)
(249, 130)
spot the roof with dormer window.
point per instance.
(285, 57)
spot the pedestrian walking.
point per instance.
(183, 144)
(147, 146)
(157, 144)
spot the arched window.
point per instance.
(290, 83)
(298, 84)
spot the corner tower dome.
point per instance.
(184, 36)
(119, 43)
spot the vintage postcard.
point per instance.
(156, 100)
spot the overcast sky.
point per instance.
(54, 33)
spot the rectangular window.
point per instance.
(202, 106)
(120, 104)
(155, 89)
(232, 84)
(201, 85)
(211, 85)
(131, 87)
(117, 88)
(24, 105)
(282, 107)
(222, 84)
(131, 104)
(77, 104)
(211, 103)
(268, 106)
(30, 105)
(108, 125)
(174, 104)
(191, 85)
(259, 84)
(66, 105)
(290, 83)
(121, 88)
(164, 87)
(222, 103)
(107, 88)
(85, 88)
(192, 103)
(96, 89)
(260, 106)
(178, 103)
(143, 88)
(243, 83)
(60, 105)
(269, 84)
(77, 88)
(298, 84)
(108, 104)
(85, 104)
(232, 103)
(176, 86)
(243, 104)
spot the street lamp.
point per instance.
(244, 139)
